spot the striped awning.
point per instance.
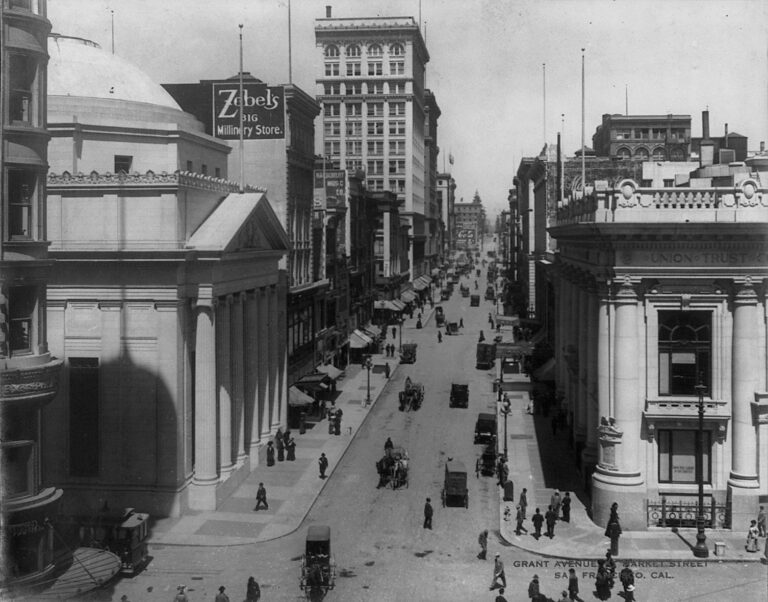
(330, 370)
(385, 304)
(398, 304)
(407, 296)
(421, 283)
(297, 397)
(372, 329)
(359, 340)
(314, 382)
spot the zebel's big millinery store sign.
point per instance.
(263, 111)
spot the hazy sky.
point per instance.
(486, 56)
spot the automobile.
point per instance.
(486, 356)
(408, 353)
(474, 301)
(490, 294)
(439, 315)
(445, 294)
(485, 428)
(455, 484)
(459, 396)
(452, 328)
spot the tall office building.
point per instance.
(372, 91)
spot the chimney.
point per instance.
(327, 11)
(705, 124)
(726, 136)
(762, 146)
(706, 147)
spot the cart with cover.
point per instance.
(408, 353)
(455, 484)
(490, 294)
(439, 315)
(486, 464)
(411, 396)
(464, 290)
(452, 328)
(459, 396)
(393, 468)
(474, 301)
(445, 294)
(318, 569)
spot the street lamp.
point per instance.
(402, 321)
(505, 410)
(700, 550)
(368, 365)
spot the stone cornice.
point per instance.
(147, 180)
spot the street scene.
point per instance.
(404, 300)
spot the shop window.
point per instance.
(684, 351)
(23, 71)
(123, 163)
(22, 190)
(17, 464)
(677, 456)
(22, 301)
(84, 416)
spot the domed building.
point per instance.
(166, 281)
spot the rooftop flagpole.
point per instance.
(241, 144)
(583, 164)
(290, 62)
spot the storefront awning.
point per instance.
(314, 382)
(359, 340)
(398, 304)
(331, 370)
(419, 285)
(385, 304)
(372, 329)
(297, 397)
(407, 296)
(507, 320)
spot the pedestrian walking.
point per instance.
(761, 522)
(482, 337)
(613, 529)
(181, 594)
(602, 587)
(534, 592)
(124, 598)
(537, 519)
(752, 534)
(439, 337)
(261, 497)
(573, 585)
(550, 518)
(554, 501)
(500, 596)
(498, 573)
(221, 596)
(627, 578)
(270, 454)
(490, 319)
(520, 518)
(566, 507)
(610, 567)
(523, 503)
(386, 370)
(280, 445)
(428, 514)
(322, 463)
(252, 591)
(290, 450)
(483, 541)
(461, 322)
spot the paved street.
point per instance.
(381, 550)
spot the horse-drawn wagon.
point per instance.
(393, 468)
(408, 353)
(455, 484)
(318, 569)
(411, 396)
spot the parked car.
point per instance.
(459, 396)
(485, 428)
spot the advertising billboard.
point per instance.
(334, 182)
(263, 111)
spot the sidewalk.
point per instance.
(541, 462)
(292, 487)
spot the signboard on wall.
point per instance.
(263, 111)
(334, 182)
(466, 235)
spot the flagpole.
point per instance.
(241, 145)
(583, 164)
(544, 87)
(290, 64)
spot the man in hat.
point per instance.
(428, 514)
(181, 596)
(322, 462)
(498, 573)
(261, 497)
(533, 589)
(221, 597)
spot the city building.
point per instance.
(446, 197)
(469, 223)
(644, 137)
(165, 296)
(374, 117)
(659, 307)
(29, 372)
(432, 207)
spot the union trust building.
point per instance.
(656, 298)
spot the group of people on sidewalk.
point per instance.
(559, 509)
(252, 593)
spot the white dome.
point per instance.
(79, 67)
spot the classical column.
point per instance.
(223, 372)
(589, 455)
(618, 478)
(279, 417)
(252, 377)
(603, 355)
(203, 490)
(237, 333)
(743, 483)
(266, 331)
(273, 356)
(582, 344)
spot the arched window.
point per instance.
(331, 51)
(396, 50)
(677, 154)
(641, 154)
(684, 351)
(353, 50)
(623, 153)
(659, 154)
(374, 50)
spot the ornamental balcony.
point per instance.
(32, 380)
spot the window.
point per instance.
(18, 466)
(396, 109)
(189, 166)
(331, 128)
(331, 69)
(332, 147)
(641, 154)
(353, 69)
(397, 186)
(684, 351)
(375, 50)
(658, 133)
(332, 109)
(84, 416)
(375, 168)
(217, 172)
(22, 301)
(396, 50)
(354, 128)
(623, 134)
(375, 147)
(397, 166)
(397, 87)
(354, 109)
(646, 183)
(669, 183)
(356, 88)
(22, 190)
(353, 50)
(331, 50)
(354, 147)
(23, 70)
(333, 88)
(375, 184)
(123, 163)
(397, 67)
(204, 169)
(375, 87)
(355, 164)
(659, 154)
(374, 68)
(676, 154)
(677, 456)
(375, 109)
(397, 128)
(397, 147)
(624, 153)
(375, 128)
